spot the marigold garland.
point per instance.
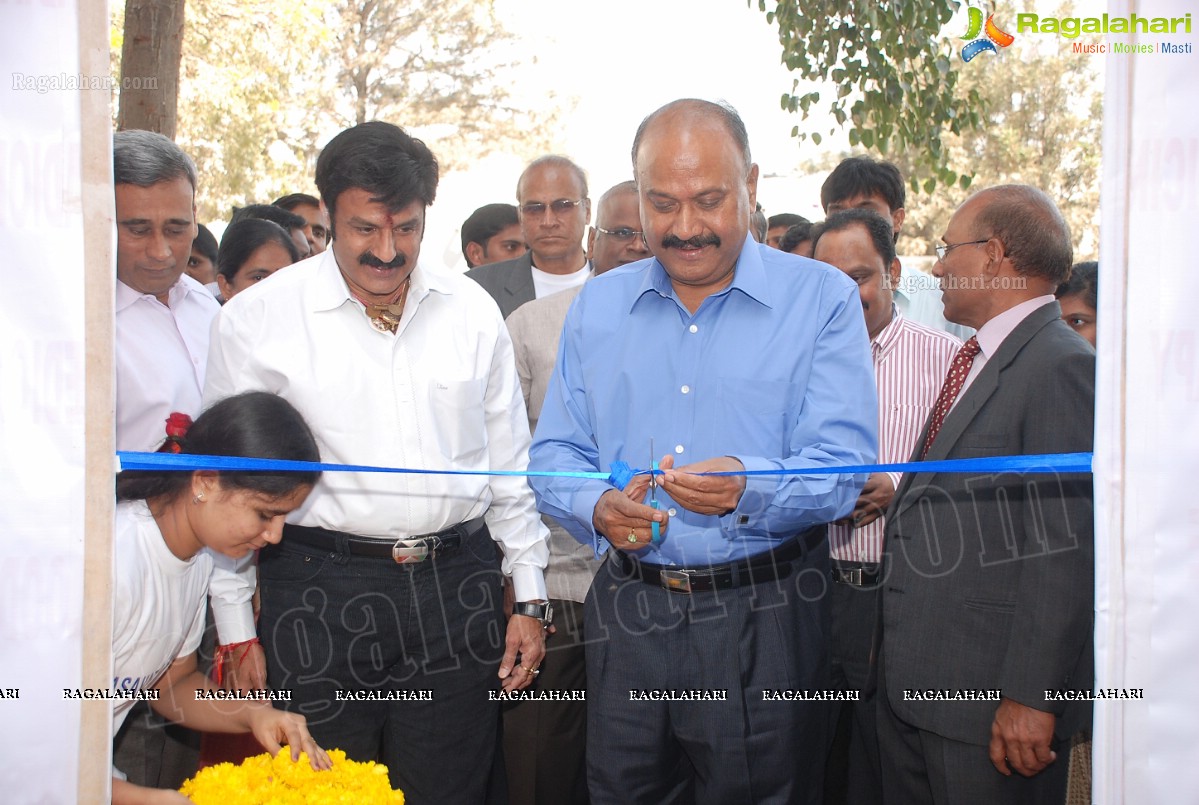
(279, 781)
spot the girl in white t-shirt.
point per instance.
(164, 521)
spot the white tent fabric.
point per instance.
(1147, 434)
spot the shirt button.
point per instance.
(693, 328)
(672, 511)
(678, 448)
(685, 389)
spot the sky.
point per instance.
(622, 59)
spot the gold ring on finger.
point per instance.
(632, 535)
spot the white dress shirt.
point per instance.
(161, 353)
(440, 394)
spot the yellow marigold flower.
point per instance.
(263, 780)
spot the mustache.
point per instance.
(697, 242)
(368, 259)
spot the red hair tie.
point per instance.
(177, 427)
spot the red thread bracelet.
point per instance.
(227, 651)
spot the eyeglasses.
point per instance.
(945, 248)
(624, 233)
(559, 207)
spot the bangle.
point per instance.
(228, 650)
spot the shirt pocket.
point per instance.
(755, 414)
(460, 416)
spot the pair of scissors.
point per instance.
(655, 527)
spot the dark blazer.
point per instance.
(991, 578)
(510, 282)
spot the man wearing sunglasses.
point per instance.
(551, 770)
(552, 201)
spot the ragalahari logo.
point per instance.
(991, 38)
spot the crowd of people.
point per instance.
(741, 620)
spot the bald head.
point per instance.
(610, 197)
(1025, 220)
(616, 237)
(552, 162)
(692, 111)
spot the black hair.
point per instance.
(255, 424)
(205, 243)
(795, 235)
(1035, 236)
(878, 227)
(722, 111)
(787, 219)
(293, 200)
(863, 176)
(1083, 282)
(380, 158)
(268, 212)
(486, 222)
(242, 237)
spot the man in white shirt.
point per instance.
(162, 315)
(381, 608)
(554, 210)
(910, 361)
(162, 318)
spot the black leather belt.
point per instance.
(769, 565)
(857, 574)
(405, 550)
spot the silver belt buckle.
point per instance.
(410, 550)
(676, 581)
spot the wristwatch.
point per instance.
(542, 612)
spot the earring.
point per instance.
(198, 498)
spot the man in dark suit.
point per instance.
(554, 211)
(990, 592)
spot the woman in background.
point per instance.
(1078, 297)
(251, 250)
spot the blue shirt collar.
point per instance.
(749, 277)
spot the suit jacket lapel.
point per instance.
(971, 402)
(519, 284)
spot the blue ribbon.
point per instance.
(620, 473)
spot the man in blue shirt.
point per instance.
(732, 356)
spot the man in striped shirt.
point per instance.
(910, 362)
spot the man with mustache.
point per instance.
(730, 356)
(388, 585)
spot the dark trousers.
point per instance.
(547, 740)
(852, 771)
(924, 768)
(744, 641)
(332, 621)
(154, 752)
